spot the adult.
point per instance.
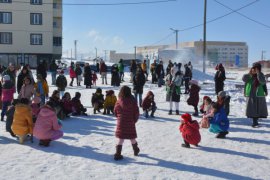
(144, 69)
(138, 83)
(87, 76)
(53, 69)
(133, 68)
(115, 81)
(127, 113)
(78, 72)
(255, 94)
(103, 71)
(22, 75)
(42, 70)
(97, 67)
(168, 69)
(219, 78)
(121, 69)
(160, 73)
(191, 68)
(187, 77)
(30, 73)
(11, 71)
(72, 73)
(153, 72)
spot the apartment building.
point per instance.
(30, 31)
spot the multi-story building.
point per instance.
(30, 31)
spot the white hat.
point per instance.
(6, 78)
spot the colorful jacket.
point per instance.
(247, 78)
(97, 98)
(45, 89)
(22, 120)
(220, 119)
(190, 132)
(110, 101)
(148, 102)
(67, 105)
(8, 90)
(72, 73)
(27, 91)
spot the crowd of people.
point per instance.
(34, 113)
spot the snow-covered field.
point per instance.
(87, 148)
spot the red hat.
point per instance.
(186, 117)
(206, 97)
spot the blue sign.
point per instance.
(237, 60)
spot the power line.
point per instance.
(104, 4)
(220, 17)
(253, 20)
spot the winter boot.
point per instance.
(170, 112)
(177, 112)
(44, 142)
(117, 155)
(222, 135)
(21, 139)
(152, 115)
(108, 111)
(186, 145)
(146, 114)
(104, 112)
(195, 113)
(255, 122)
(2, 118)
(135, 149)
(95, 111)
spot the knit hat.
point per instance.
(257, 65)
(6, 78)
(186, 117)
(98, 90)
(193, 82)
(222, 94)
(36, 100)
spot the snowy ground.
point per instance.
(87, 148)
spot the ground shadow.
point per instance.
(258, 141)
(251, 130)
(159, 119)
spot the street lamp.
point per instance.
(176, 33)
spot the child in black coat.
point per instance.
(10, 114)
(97, 100)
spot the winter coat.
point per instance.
(46, 123)
(94, 77)
(126, 111)
(78, 71)
(148, 102)
(121, 67)
(103, 68)
(27, 91)
(67, 106)
(115, 81)
(168, 69)
(87, 76)
(97, 98)
(77, 106)
(219, 80)
(190, 132)
(42, 70)
(219, 122)
(256, 102)
(45, 88)
(172, 88)
(133, 68)
(8, 90)
(22, 120)
(20, 81)
(35, 110)
(9, 120)
(160, 71)
(138, 83)
(110, 101)
(144, 67)
(72, 73)
(225, 103)
(12, 75)
(188, 73)
(53, 67)
(61, 82)
(193, 99)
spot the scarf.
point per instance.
(255, 81)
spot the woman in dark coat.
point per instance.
(23, 74)
(127, 112)
(255, 93)
(87, 76)
(138, 83)
(219, 78)
(115, 76)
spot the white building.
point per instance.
(30, 31)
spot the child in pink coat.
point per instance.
(47, 128)
(27, 90)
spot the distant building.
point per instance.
(264, 63)
(30, 32)
(127, 57)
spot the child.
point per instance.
(77, 106)
(149, 104)
(97, 100)
(223, 100)
(127, 113)
(206, 105)
(27, 89)
(94, 78)
(57, 104)
(207, 113)
(109, 102)
(219, 123)
(41, 88)
(35, 108)
(190, 131)
(61, 83)
(22, 122)
(78, 72)
(47, 128)
(67, 104)
(8, 90)
(10, 115)
(193, 99)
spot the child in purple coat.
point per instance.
(8, 90)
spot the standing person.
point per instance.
(53, 69)
(191, 69)
(42, 70)
(22, 75)
(187, 77)
(72, 73)
(255, 94)
(173, 91)
(144, 69)
(41, 89)
(30, 73)
(138, 83)
(103, 72)
(78, 72)
(121, 70)
(133, 68)
(168, 69)
(94, 78)
(115, 81)
(8, 90)
(219, 78)
(27, 90)
(160, 73)
(11, 72)
(127, 113)
(97, 66)
(61, 83)
(193, 99)
(87, 76)
(153, 72)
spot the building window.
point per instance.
(36, 19)
(5, 38)
(36, 39)
(57, 41)
(5, 18)
(5, 1)
(36, 2)
(54, 24)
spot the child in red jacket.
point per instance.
(190, 131)
(94, 78)
(149, 104)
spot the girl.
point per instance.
(67, 104)
(206, 112)
(72, 73)
(109, 102)
(78, 72)
(149, 104)
(41, 88)
(138, 83)
(77, 106)
(10, 115)
(193, 99)
(94, 78)
(8, 90)
(27, 89)
(97, 100)
(61, 83)
(127, 112)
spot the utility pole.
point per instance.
(204, 35)
(262, 57)
(75, 44)
(176, 37)
(135, 52)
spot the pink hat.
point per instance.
(36, 100)
(193, 82)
